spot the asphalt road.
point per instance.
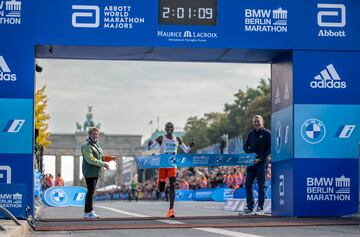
(182, 209)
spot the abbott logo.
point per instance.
(338, 9)
(5, 72)
(334, 16)
(5, 174)
(87, 12)
(328, 78)
(14, 126)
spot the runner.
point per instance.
(169, 145)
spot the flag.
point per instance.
(150, 122)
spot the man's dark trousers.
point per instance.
(259, 172)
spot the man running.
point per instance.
(169, 145)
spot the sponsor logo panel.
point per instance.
(320, 134)
(282, 187)
(326, 77)
(10, 12)
(282, 129)
(326, 186)
(187, 36)
(331, 18)
(15, 125)
(6, 75)
(266, 20)
(110, 17)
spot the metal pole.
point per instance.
(11, 216)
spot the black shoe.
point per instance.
(247, 211)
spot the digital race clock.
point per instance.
(187, 12)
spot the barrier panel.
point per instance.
(65, 196)
(193, 160)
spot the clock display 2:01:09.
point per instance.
(201, 13)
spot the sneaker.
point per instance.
(259, 211)
(170, 213)
(91, 215)
(247, 211)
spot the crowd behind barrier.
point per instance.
(187, 179)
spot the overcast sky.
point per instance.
(126, 95)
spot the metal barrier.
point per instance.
(11, 216)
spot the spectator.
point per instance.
(258, 141)
(59, 181)
(203, 182)
(184, 185)
(93, 160)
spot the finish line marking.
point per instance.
(121, 211)
(172, 222)
(226, 232)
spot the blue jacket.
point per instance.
(259, 142)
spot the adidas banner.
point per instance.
(191, 160)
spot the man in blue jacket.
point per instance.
(258, 141)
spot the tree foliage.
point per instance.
(236, 120)
(41, 117)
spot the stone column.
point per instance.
(57, 165)
(76, 171)
(119, 171)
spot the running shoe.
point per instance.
(247, 211)
(259, 211)
(91, 215)
(170, 213)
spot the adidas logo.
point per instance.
(5, 72)
(328, 78)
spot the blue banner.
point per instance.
(184, 195)
(65, 196)
(37, 183)
(282, 134)
(320, 134)
(255, 24)
(326, 77)
(14, 198)
(282, 82)
(222, 194)
(282, 187)
(17, 169)
(203, 194)
(322, 191)
(16, 125)
(192, 160)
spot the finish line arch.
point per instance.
(314, 49)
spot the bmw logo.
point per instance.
(313, 131)
(278, 137)
(219, 159)
(179, 195)
(172, 160)
(58, 196)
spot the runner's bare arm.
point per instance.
(185, 148)
(152, 144)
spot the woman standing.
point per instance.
(93, 160)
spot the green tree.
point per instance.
(216, 126)
(195, 128)
(236, 119)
